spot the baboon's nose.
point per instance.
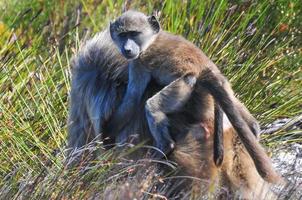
(128, 51)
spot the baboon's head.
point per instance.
(133, 32)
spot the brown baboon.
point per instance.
(99, 81)
(182, 68)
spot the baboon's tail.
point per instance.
(218, 136)
(215, 84)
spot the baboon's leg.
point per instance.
(215, 83)
(246, 115)
(218, 136)
(170, 99)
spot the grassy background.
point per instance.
(257, 44)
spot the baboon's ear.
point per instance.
(154, 23)
(111, 28)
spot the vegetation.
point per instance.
(257, 44)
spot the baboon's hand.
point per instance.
(163, 149)
(163, 142)
(218, 157)
(111, 130)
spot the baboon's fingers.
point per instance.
(218, 136)
(218, 157)
(214, 83)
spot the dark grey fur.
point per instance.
(99, 80)
(94, 88)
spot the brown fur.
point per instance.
(99, 78)
(237, 175)
(173, 56)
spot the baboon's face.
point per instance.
(133, 32)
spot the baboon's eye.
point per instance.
(134, 33)
(122, 34)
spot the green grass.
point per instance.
(257, 45)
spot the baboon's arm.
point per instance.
(216, 84)
(218, 135)
(170, 99)
(137, 83)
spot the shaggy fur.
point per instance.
(99, 79)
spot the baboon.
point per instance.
(182, 68)
(99, 81)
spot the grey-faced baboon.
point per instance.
(99, 81)
(182, 68)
